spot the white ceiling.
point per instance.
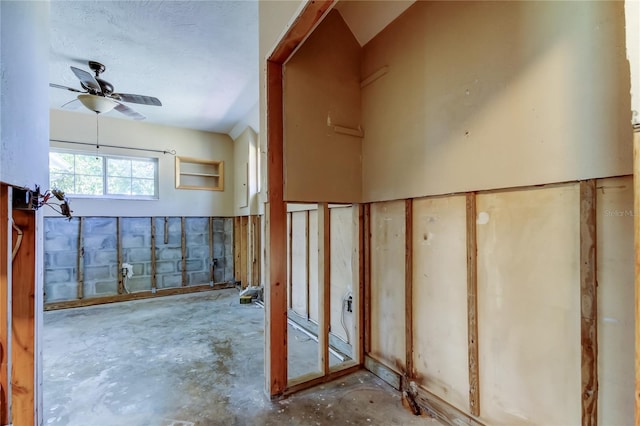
(200, 58)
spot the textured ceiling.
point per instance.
(200, 58)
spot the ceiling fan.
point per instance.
(98, 94)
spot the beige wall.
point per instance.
(79, 127)
(632, 15)
(245, 170)
(483, 95)
(321, 91)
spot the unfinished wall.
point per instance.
(537, 90)
(78, 127)
(322, 91)
(388, 283)
(615, 300)
(89, 255)
(529, 306)
(440, 297)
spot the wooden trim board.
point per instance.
(636, 221)
(408, 286)
(472, 306)
(5, 308)
(589, 302)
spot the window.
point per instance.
(95, 175)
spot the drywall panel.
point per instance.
(632, 16)
(245, 169)
(299, 262)
(529, 306)
(24, 104)
(614, 207)
(321, 91)
(78, 127)
(342, 228)
(537, 90)
(313, 265)
(440, 351)
(388, 283)
(368, 18)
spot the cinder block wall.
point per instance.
(89, 251)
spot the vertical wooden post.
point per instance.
(472, 305)
(119, 255)
(367, 277)
(358, 217)
(408, 286)
(244, 249)
(589, 302)
(154, 278)
(5, 308)
(324, 284)
(23, 286)
(290, 257)
(307, 265)
(237, 250)
(80, 266)
(183, 243)
(211, 278)
(259, 250)
(636, 221)
(276, 316)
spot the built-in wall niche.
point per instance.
(194, 173)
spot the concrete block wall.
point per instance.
(99, 246)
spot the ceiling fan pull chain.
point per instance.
(97, 136)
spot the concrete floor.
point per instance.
(188, 360)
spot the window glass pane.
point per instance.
(142, 187)
(119, 167)
(88, 165)
(62, 181)
(60, 162)
(88, 185)
(119, 186)
(143, 169)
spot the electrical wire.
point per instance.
(345, 299)
(18, 242)
(161, 151)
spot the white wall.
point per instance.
(78, 127)
(24, 126)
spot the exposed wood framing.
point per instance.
(318, 380)
(23, 289)
(244, 248)
(237, 252)
(276, 292)
(119, 255)
(442, 411)
(258, 251)
(359, 210)
(166, 230)
(636, 220)
(5, 311)
(324, 284)
(408, 286)
(472, 306)
(308, 270)
(183, 242)
(255, 250)
(135, 296)
(589, 302)
(80, 264)
(290, 257)
(154, 278)
(211, 279)
(367, 277)
(276, 316)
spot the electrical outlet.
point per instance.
(350, 304)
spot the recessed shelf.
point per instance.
(194, 173)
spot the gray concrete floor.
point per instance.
(188, 360)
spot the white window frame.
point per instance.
(105, 157)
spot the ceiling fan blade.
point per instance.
(59, 86)
(129, 112)
(72, 104)
(86, 79)
(137, 99)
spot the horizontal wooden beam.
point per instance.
(135, 296)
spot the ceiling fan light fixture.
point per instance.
(98, 104)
